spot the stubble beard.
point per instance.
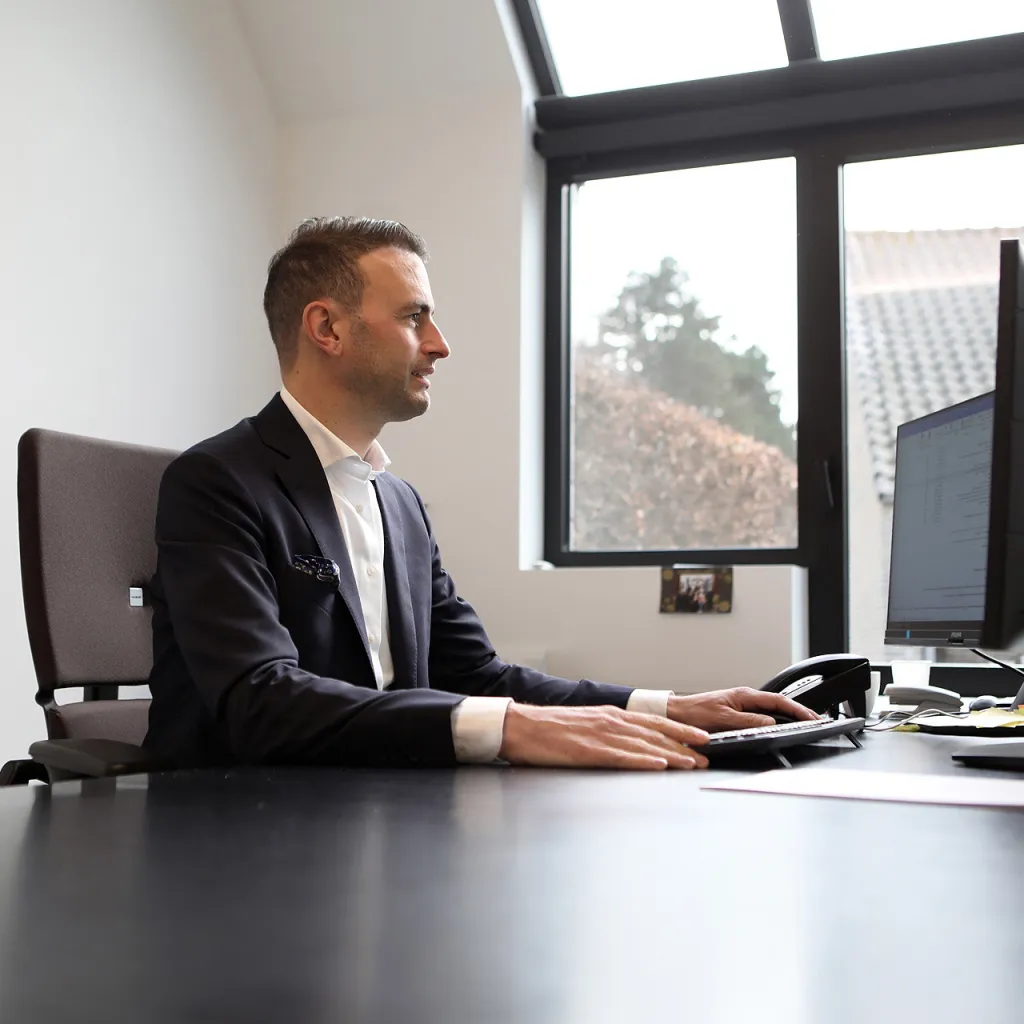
(394, 400)
(408, 405)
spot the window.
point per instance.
(683, 406)
(600, 45)
(922, 270)
(646, 185)
(847, 29)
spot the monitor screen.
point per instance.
(940, 526)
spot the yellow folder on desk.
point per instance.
(990, 722)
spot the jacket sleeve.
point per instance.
(463, 660)
(223, 609)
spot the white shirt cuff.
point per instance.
(478, 724)
(649, 702)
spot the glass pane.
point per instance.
(848, 29)
(601, 45)
(683, 322)
(922, 270)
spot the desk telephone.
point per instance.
(826, 682)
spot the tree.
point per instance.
(657, 333)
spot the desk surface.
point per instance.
(492, 895)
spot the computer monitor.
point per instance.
(956, 576)
(1004, 588)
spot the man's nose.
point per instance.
(437, 345)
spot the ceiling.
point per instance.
(322, 58)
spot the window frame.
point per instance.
(558, 412)
(824, 114)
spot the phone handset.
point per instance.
(825, 682)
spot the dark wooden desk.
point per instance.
(490, 895)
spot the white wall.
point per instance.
(870, 530)
(136, 197)
(461, 171)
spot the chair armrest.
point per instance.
(22, 772)
(92, 758)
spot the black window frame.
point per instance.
(825, 114)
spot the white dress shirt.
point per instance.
(477, 722)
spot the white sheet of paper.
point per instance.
(901, 787)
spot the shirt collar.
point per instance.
(330, 448)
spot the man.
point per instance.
(301, 614)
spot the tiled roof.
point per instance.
(920, 326)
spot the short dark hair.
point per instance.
(321, 258)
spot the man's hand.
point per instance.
(718, 710)
(598, 737)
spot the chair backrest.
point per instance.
(86, 515)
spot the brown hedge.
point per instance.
(650, 472)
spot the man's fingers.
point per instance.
(730, 718)
(639, 762)
(685, 734)
(762, 700)
(613, 757)
(680, 758)
(744, 720)
(657, 743)
(598, 738)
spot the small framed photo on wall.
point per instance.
(696, 590)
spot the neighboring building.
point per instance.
(920, 336)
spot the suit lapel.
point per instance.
(401, 622)
(303, 478)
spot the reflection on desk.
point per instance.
(501, 895)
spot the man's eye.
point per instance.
(415, 318)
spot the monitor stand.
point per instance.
(1006, 754)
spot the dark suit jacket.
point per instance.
(257, 662)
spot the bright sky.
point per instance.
(848, 28)
(614, 44)
(731, 228)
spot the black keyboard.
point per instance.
(767, 738)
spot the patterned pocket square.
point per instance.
(323, 569)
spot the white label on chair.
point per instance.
(135, 597)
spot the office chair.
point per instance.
(86, 516)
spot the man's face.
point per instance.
(394, 340)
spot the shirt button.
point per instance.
(359, 509)
(370, 571)
(372, 638)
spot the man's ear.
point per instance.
(325, 323)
